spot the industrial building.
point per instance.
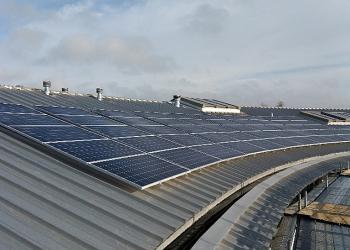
(100, 172)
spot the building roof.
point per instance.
(48, 203)
(258, 213)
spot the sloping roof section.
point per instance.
(46, 203)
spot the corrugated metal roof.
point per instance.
(316, 235)
(48, 204)
(337, 193)
(258, 213)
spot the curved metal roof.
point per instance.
(258, 213)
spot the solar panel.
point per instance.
(191, 128)
(145, 152)
(57, 133)
(266, 144)
(116, 113)
(16, 108)
(285, 142)
(142, 170)
(119, 131)
(218, 151)
(186, 157)
(89, 120)
(160, 130)
(136, 121)
(217, 137)
(95, 150)
(244, 147)
(304, 140)
(187, 140)
(63, 110)
(149, 143)
(28, 119)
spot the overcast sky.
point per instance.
(245, 52)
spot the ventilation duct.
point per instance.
(99, 94)
(47, 85)
(176, 100)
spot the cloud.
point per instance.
(131, 55)
(244, 52)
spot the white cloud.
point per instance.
(245, 52)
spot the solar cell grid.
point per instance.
(127, 156)
(242, 136)
(218, 151)
(64, 110)
(303, 140)
(116, 113)
(91, 151)
(266, 144)
(187, 140)
(244, 147)
(57, 133)
(287, 142)
(136, 121)
(29, 119)
(119, 131)
(217, 137)
(186, 157)
(142, 170)
(160, 130)
(191, 128)
(90, 120)
(15, 108)
(149, 143)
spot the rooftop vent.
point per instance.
(176, 100)
(47, 85)
(99, 94)
(64, 90)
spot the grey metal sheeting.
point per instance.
(337, 193)
(252, 221)
(315, 235)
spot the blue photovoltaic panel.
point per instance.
(217, 137)
(187, 140)
(266, 144)
(116, 113)
(149, 143)
(304, 140)
(191, 128)
(64, 110)
(136, 121)
(160, 130)
(89, 120)
(286, 142)
(186, 157)
(29, 119)
(57, 133)
(16, 108)
(173, 121)
(242, 136)
(142, 170)
(119, 131)
(244, 147)
(96, 150)
(218, 151)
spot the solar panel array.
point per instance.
(145, 148)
